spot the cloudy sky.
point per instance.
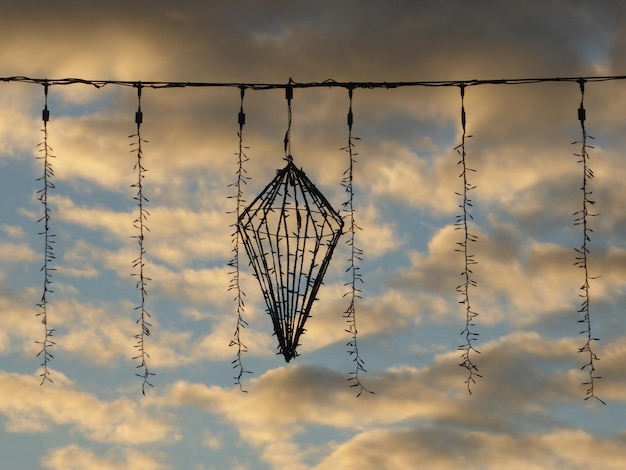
(527, 411)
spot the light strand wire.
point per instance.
(287, 140)
(139, 264)
(330, 83)
(582, 253)
(235, 281)
(467, 275)
(48, 258)
(356, 255)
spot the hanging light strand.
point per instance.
(582, 253)
(235, 281)
(356, 255)
(48, 258)
(139, 263)
(464, 289)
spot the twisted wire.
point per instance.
(287, 140)
(329, 83)
(48, 258)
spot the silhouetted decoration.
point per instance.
(582, 253)
(48, 255)
(290, 230)
(462, 224)
(139, 263)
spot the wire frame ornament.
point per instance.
(290, 232)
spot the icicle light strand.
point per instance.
(356, 255)
(582, 253)
(139, 263)
(235, 281)
(462, 223)
(46, 179)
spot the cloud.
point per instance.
(519, 281)
(176, 236)
(443, 448)
(430, 402)
(382, 314)
(101, 219)
(75, 457)
(123, 42)
(19, 136)
(29, 407)
(528, 409)
(279, 34)
(102, 333)
(20, 326)
(212, 441)
(16, 253)
(416, 181)
(376, 237)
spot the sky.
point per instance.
(526, 411)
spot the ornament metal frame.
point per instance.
(290, 231)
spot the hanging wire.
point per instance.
(582, 253)
(139, 263)
(48, 257)
(462, 223)
(287, 140)
(356, 255)
(235, 281)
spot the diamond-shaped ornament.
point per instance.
(290, 231)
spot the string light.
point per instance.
(48, 258)
(462, 224)
(582, 253)
(356, 254)
(139, 263)
(235, 282)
